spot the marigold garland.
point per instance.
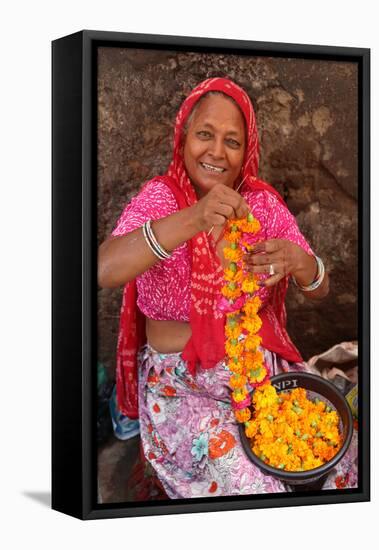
(244, 360)
(287, 430)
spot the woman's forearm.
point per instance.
(121, 259)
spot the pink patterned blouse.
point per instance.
(164, 289)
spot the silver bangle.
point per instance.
(152, 242)
(318, 280)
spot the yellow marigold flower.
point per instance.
(232, 332)
(249, 286)
(233, 348)
(265, 396)
(256, 375)
(331, 435)
(243, 415)
(251, 324)
(266, 427)
(252, 341)
(232, 319)
(239, 394)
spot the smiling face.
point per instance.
(214, 146)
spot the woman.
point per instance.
(167, 248)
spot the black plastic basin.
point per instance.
(316, 386)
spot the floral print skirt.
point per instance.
(190, 436)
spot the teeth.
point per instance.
(212, 168)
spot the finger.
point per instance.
(225, 210)
(263, 268)
(271, 268)
(235, 200)
(216, 220)
(270, 246)
(263, 259)
(271, 281)
(242, 210)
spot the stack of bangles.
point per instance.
(152, 242)
(318, 280)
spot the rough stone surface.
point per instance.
(307, 118)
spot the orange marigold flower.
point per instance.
(254, 226)
(233, 255)
(233, 276)
(253, 358)
(237, 380)
(231, 293)
(235, 365)
(250, 224)
(252, 306)
(232, 332)
(232, 236)
(237, 222)
(251, 429)
(243, 415)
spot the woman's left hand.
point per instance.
(279, 258)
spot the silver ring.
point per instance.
(272, 270)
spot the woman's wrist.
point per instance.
(194, 220)
(177, 228)
(319, 287)
(307, 269)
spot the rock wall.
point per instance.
(308, 123)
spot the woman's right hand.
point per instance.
(218, 205)
(123, 258)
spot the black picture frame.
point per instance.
(74, 268)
